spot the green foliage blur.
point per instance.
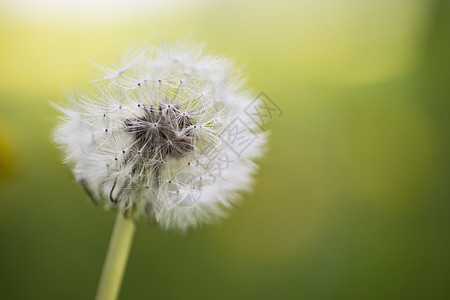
(352, 200)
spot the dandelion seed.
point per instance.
(181, 115)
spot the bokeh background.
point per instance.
(352, 200)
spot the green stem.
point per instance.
(116, 258)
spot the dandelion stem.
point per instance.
(116, 258)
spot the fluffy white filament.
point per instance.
(165, 131)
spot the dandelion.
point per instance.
(164, 134)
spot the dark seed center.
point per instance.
(161, 132)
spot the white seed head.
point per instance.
(165, 132)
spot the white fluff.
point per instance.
(197, 101)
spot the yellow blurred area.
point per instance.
(341, 42)
(6, 149)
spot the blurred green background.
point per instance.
(352, 200)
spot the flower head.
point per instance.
(164, 132)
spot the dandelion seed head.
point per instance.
(152, 132)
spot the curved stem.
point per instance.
(116, 258)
